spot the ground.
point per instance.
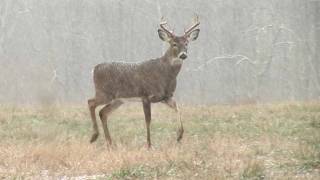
(265, 141)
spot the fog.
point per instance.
(247, 51)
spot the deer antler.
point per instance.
(195, 24)
(162, 25)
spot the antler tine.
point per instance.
(163, 22)
(195, 24)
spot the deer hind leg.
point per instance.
(172, 104)
(92, 107)
(104, 112)
(93, 104)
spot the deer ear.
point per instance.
(193, 35)
(163, 35)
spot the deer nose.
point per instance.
(183, 55)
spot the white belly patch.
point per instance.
(135, 99)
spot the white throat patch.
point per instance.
(176, 61)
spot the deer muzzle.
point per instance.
(182, 55)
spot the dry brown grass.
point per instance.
(279, 141)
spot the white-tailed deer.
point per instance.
(150, 81)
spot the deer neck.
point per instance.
(173, 63)
(171, 59)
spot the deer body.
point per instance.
(154, 79)
(150, 81)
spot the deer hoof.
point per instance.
(180, 135)
(148, 147)
(94, 137)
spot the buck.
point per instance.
(149, 81)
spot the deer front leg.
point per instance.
(172, 104)
(147, 114)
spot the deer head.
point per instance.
(179, 44)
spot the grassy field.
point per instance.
(270, 141)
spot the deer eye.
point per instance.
(174, 44)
